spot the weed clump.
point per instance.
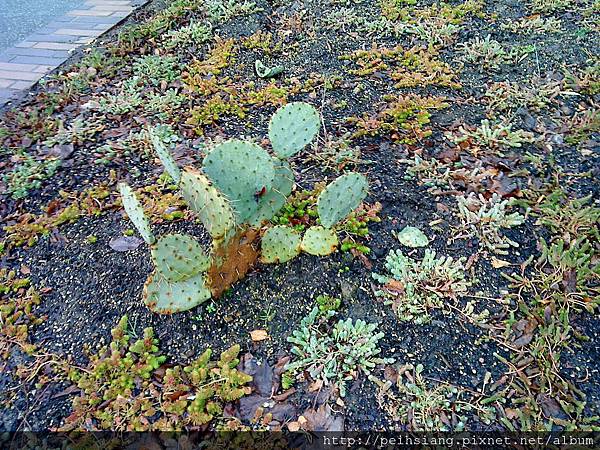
(334, 355)
(411, 401)
(402, 118)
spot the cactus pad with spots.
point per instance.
(134, 210)
(178, 256)
(279, 245)
(341, 197)
(165, 157)
(293, 127)
(212, 207)
(241, 170)
(273, 199)
(319, 241)
(168, 297)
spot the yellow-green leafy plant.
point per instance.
(127, 387)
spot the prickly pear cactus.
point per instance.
(134, 210)
(319, 241)
(242, 171)
(273, 199)
(165, 157)
(293, 127)
(279, 245)
(341, 197)
(178, 256)
(168, 297)
(213, 209)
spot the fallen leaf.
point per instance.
(259, 335)
(322, 419)
(249, 404)
(498, 263)
(283, 412)
(570, 281)
(523, 340)
(315, 386)
(284, 396)
(263, 379)
(124, 243)
(550, 407)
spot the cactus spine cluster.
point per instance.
(238, 189)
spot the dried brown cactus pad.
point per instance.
(232, 260)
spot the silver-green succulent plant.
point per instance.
(486, 219)
(336, 355)
(414, 287)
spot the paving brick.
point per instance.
(5, 57)
(108, 2)
(5, 83)
(46, 53)
(77, 21)
(60, 22)
(48, 62)
(43, 69)
(23, 84)
(51, 38)
(19, 76)
(113, 8)
(120, 14)
(25, 44)
(89, 12)
(78, 33)
(55, 46)
(48, 29)
(6, 95)
(18, 67)
(85, 40)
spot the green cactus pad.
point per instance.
(273, 200)
(240, 170)
(178, 256)
(293, 127)
(212, 207)
(167, 297)
(134, 210)
(319, 241)
(341, 197)
(165, 157)
(280, 244)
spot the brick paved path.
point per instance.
(28, 61)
